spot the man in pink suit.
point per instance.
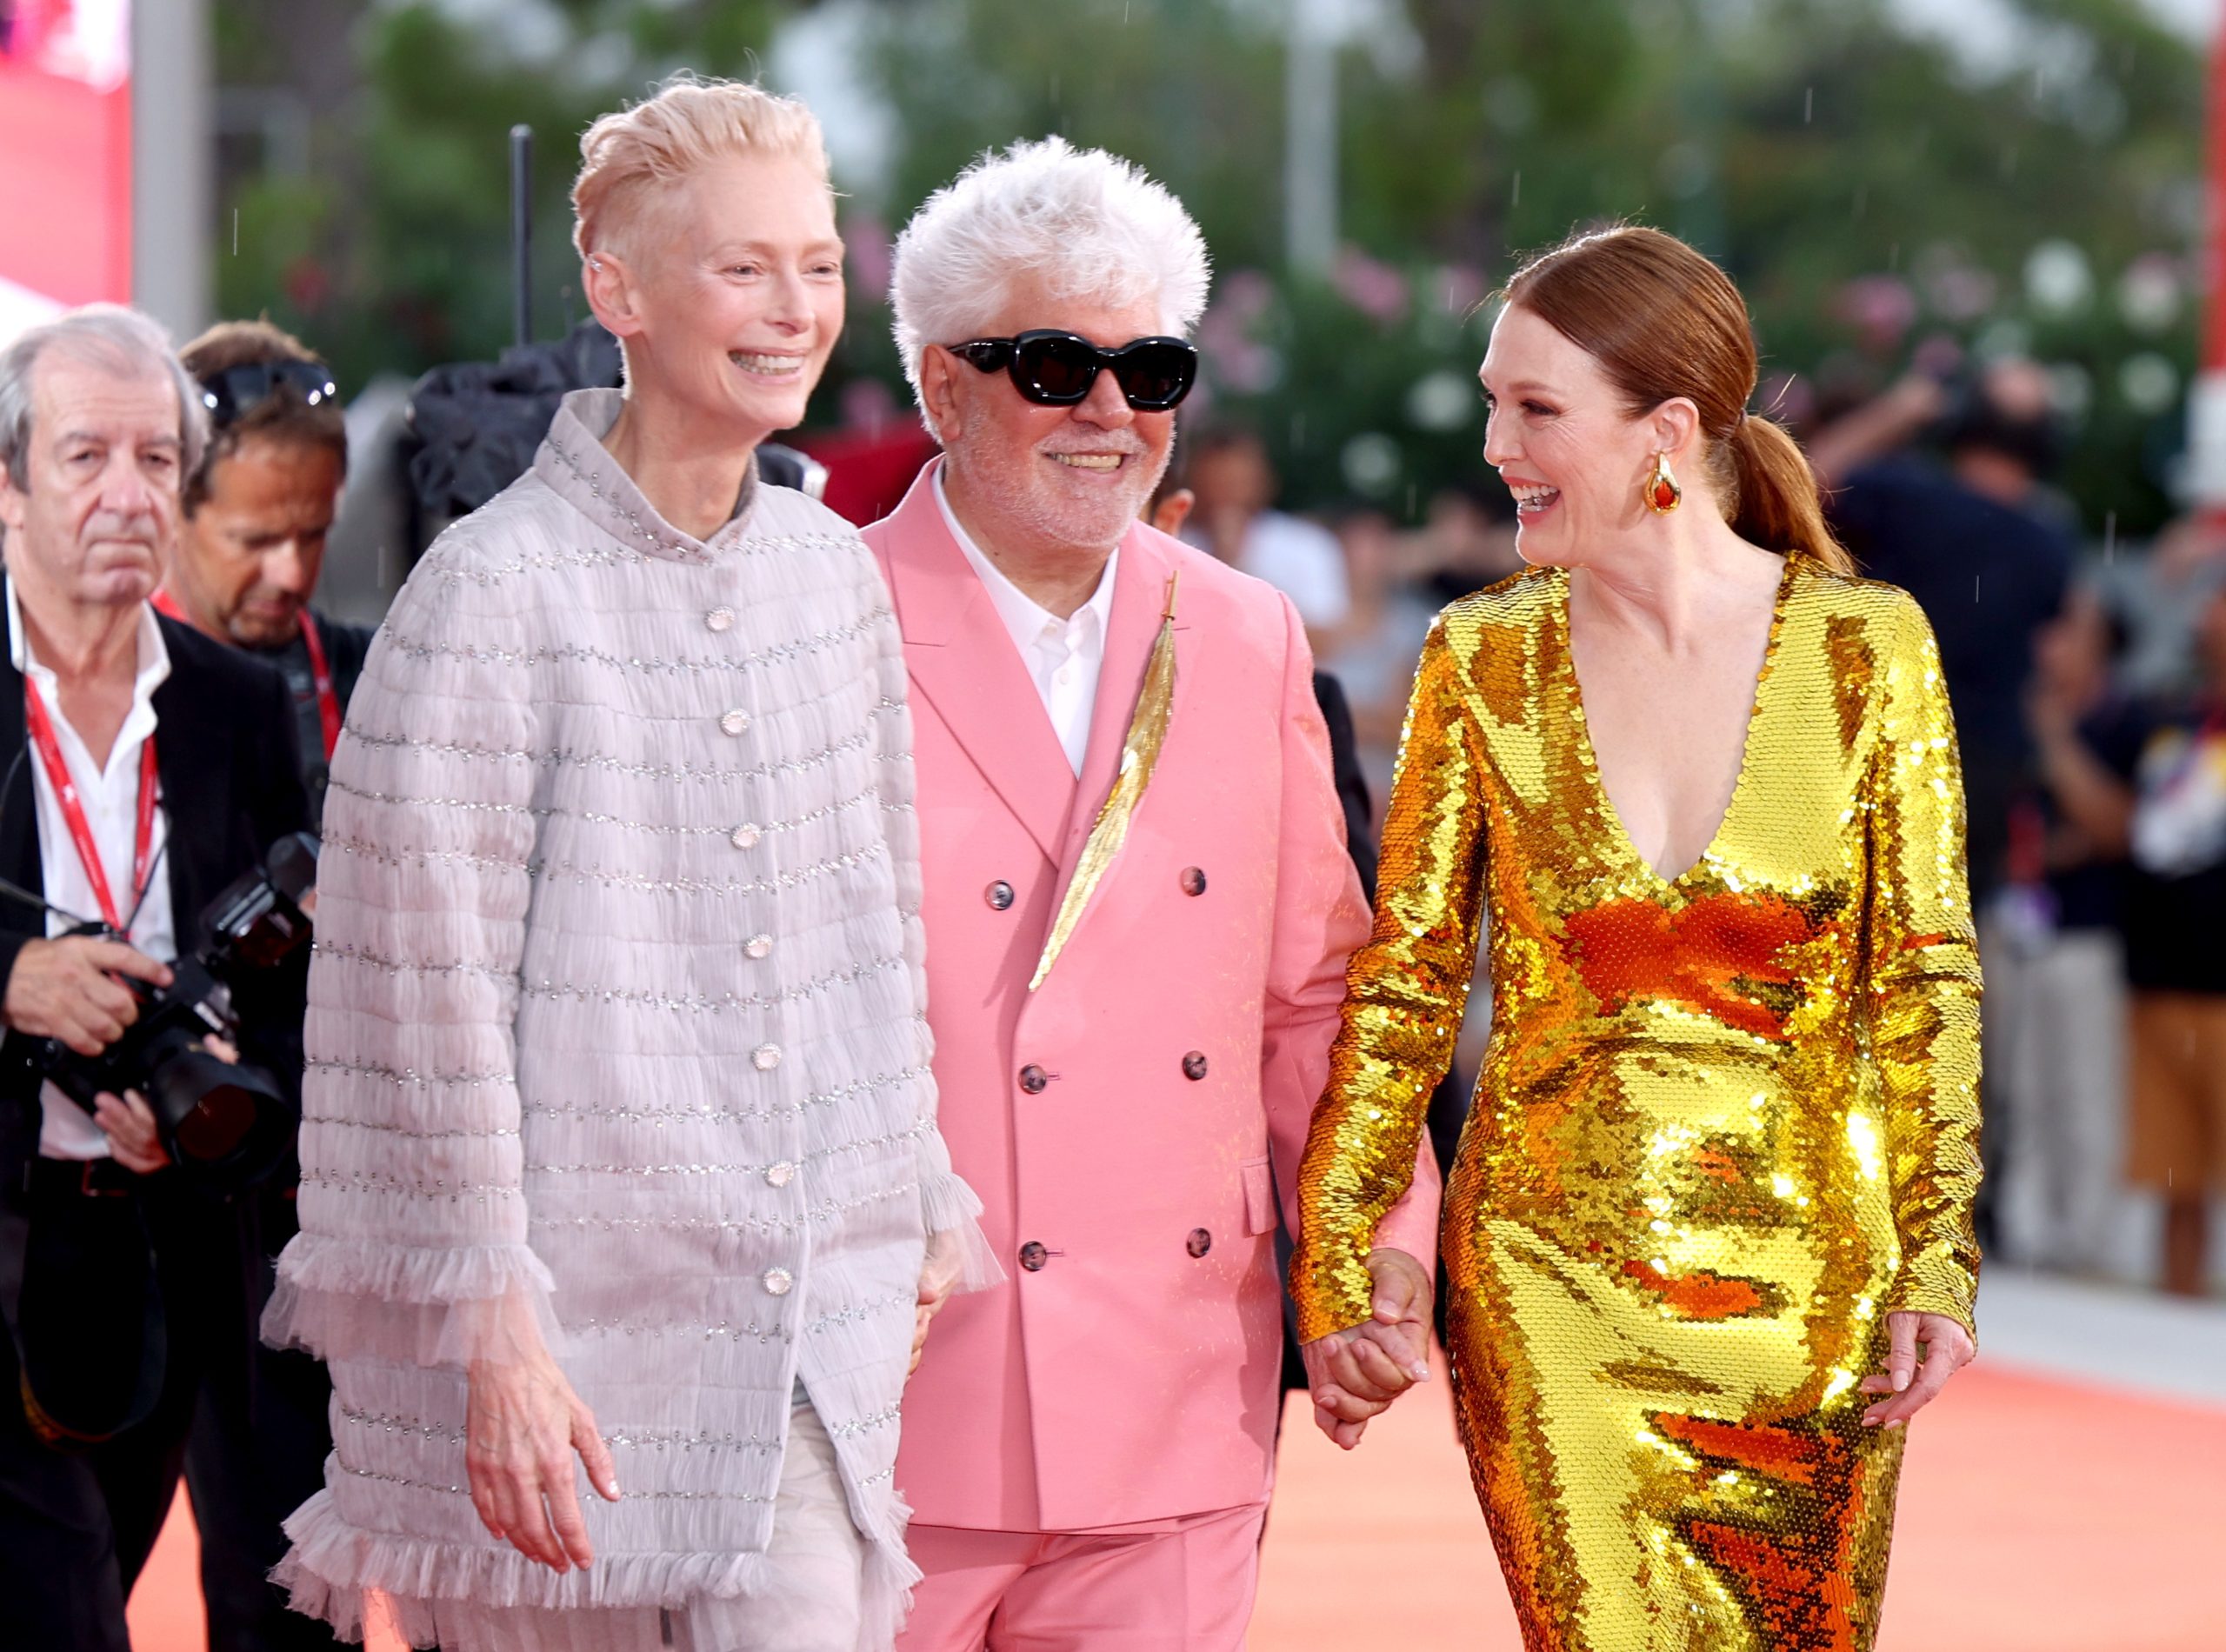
(1088, 1448)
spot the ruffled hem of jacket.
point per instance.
(492, 1600)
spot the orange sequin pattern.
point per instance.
(1727, 1123)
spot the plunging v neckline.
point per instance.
(1608, 815)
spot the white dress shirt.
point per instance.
(1063, 656)
(110, 797)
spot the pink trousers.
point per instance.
(1187, 1589)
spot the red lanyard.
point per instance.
(73, 809)
(327, 702)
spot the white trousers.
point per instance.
(2056, 1023)
(813, 1599)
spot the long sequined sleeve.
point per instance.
(1405, 993)
(1922, 953)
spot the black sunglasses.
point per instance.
(234, 391)
(1056, 369)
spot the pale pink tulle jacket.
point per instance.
(617, 1023)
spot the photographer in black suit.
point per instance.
(147, 768)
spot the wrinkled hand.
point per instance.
(522, 1423)
(65, 990)
(1948, 1348)
(132, 1137)
(1356, 1373)
(938, 1274)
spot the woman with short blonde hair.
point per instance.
(619, 1148)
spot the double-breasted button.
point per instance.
(1194, 1065)
(719, 619)
(998, 894)
(779, 1282)
(1033, 1256)
(780, 1174)
(1194, 881)
(758, 946)
(744, 836)
(765, 1057)
(1034, 1079)
(1199, 1243)
(734, 722)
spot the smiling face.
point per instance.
(104, 461)
(727, 288)
(1047, 477)
(249, 556)
(1562, 441)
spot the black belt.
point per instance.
(102, 1178)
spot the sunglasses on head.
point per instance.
(1056, 369)
(234, 391)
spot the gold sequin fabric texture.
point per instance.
(1728, 1121)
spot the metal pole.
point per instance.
(521, 235)
(173, 170)
(1310, 139)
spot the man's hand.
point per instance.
(522, 1424)
(1356, 1373)
(132, 1137)
(65, 990)
(1948, 1348)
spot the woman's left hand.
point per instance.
(1948, 1349)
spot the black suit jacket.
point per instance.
(225, 750)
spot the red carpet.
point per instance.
(2036, 1516)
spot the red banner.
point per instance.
(65, 156)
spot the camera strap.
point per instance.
(328, 700)
(41, 728)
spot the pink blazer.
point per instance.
(1129, 1124)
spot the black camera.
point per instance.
(226, 1125)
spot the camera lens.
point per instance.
(218, 1124)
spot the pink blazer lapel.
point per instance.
(1139, 599)
(961, 661)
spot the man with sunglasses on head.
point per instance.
(257, 513)
(1138, 908)
(146, 770)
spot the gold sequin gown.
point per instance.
(1727, 1123)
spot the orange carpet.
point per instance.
(2036, 1515)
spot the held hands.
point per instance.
(1948, 1348)
(1357, 1372)
(65, 990)
(522, 1423)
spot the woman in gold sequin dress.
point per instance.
(1715, 1192)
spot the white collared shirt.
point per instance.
(1063, 656)
(110, 797)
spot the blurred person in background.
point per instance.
(256, 515)
(2175, 952)
(2056, 984)
(1229, 471)
(1980, 542)
(153, 768)
(1372, 653)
